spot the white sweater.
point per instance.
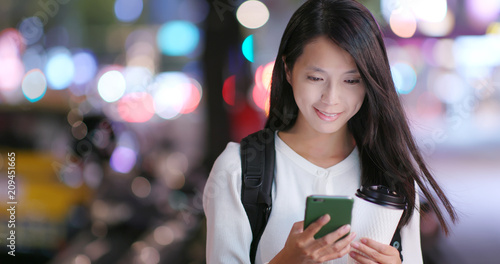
(228, 231)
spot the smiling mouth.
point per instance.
(325, 116)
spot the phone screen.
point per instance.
(338, 207)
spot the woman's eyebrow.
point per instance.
(352, 71)
(318, 69)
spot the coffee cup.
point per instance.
(376, 213)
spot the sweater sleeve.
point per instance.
(410, 236)
(228, 230)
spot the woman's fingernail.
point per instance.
(355, 244)
(364, 240)
(346, 227)
(352, 254)
(325, 218)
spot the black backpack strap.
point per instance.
(396, 242)
(257, 170)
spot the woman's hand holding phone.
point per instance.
(302, 247)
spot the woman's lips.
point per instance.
(327, 116)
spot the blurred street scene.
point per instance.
(112, 113)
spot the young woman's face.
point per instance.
(327, 87)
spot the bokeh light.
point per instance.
(404, 77)
(141, 187)
(71, 175)
(60, 69)
(475, 52)
(262, 88)
(171, 91)
(229, 90)
(136, 107)
(11, 66)
(177, 161)
(440, 28)
(481, 13)
(174, 180)
(128, 10)
(85, 67)
(429, 10)
(403, 23)
(163, 235)
(82, 259)
(267, 74)
(192, 102)
(493, 28)
(247, 48)
(11, 72)
(123, 159)
(32, 29)
(178, 38)
(111, 86)
(137, 78)
(252, 14)
(73, 116)
(79, 130)
(11, 42)
(149, 255)
(34, 85)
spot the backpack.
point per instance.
(257, 165)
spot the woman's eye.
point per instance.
(315, 79)
(355, 81)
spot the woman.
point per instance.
(338, 124)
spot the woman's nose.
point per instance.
(330, 95)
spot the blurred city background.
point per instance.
(117, 109)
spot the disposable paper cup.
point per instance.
(376, 214)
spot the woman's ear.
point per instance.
(287, 71)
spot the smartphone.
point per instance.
(338, 207)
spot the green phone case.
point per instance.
(338, 207)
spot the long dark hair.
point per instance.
(388, 152)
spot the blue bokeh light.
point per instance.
(404, 77)
(178, 38)
(128, 10)
(60, 69)
(32, 29)
(247, 48)
(85, 67)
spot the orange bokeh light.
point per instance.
(403, 23)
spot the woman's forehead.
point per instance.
(323, 54)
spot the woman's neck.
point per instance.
(324, 150)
